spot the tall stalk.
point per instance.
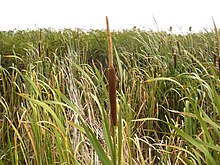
(111, 77)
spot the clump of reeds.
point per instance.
(111, 77)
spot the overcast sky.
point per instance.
(90, 14)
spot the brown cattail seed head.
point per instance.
(112, 94)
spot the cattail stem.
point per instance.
(179, 49)
(111, 78)
(110, 50)
(40, 35)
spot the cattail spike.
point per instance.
(47, 51)
(155, 72)
(39, 49)
(39, 43)
(215, 60)
(112, 94)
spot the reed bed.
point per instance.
(59, 98)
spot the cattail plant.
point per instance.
(111, 77)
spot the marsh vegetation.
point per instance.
(55, 106)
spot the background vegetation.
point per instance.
(54, 102)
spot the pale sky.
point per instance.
(123, 14)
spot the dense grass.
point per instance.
(55, 107)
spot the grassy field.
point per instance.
(55, 106)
